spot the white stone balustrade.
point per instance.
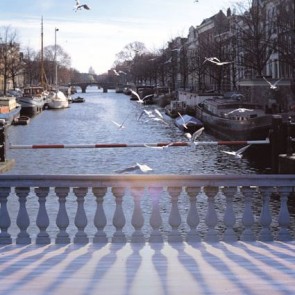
(146, 208)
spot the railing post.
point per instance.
(211, 216)
(100, 220)
(284, 216)
(229, 215)
(2, 141)
(23, 220)
(80, 218)
(248, 218)
(155, 219)
(5, 221)
(265, 216)
(42, 217)
(119, 218)
(174, 217)
(62, 219)
(137, 219)
(193, 219)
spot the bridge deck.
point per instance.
(239, 268)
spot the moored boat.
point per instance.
(9, 109)
(57, 100)
(233, 119)
(32, 101)
(21, 120)
(78, 99)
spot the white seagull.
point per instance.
(137, 96)
(239, 110)
(216, 61)
(79, 6)
(153, 115)
(238, 153)
(120, 126)
(195, 136)
(142, 167)
(163, 147)
(272, 85)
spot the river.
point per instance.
(91, 123)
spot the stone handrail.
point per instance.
(160, 208)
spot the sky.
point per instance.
(93, 37)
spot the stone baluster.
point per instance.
(265, 216)
(62, 219)
(248, 218)
(119, 217)
(193, 219)
(229, 215)
(100, 220)
(137, 219)
(22, 220)
(42, 217)
(155, 219)
(5, 221)
(211, 216)
(284, 216)
(174, 217)
(80, 218)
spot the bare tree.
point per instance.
(256, 42)
(9, 56)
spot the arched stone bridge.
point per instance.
(83, 85)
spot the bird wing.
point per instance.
(136, 94)
(86, 6)
(148, 96)
(241, 150)
(128, 169)
(143, 167)
(197, 134)
(267, 81)
(119, 125)
(229, 153)
(277, 82)
(158, 113)
(77, 3)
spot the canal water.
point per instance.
(91, 122)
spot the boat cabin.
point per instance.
(33, 91)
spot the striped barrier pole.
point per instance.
(124, 145)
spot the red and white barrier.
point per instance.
(124, 145)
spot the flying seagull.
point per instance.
(195, 136)
(137, 96)
(142, 167)
(239, 110)
(272, 85)
(121, 126)
(238, 153)
(163, 147)
(79, 6)
(216, 61)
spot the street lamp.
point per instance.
(55, 61)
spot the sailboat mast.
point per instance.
(42, 72)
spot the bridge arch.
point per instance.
(83, 85)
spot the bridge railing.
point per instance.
(145, 208)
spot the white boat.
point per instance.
(32, 101)
(57, 100)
